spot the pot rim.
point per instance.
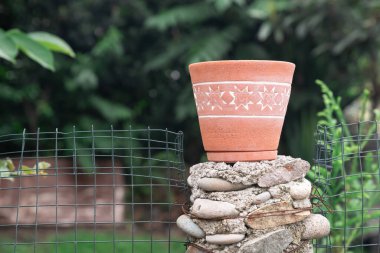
(240, 61)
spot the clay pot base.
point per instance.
(229, 157)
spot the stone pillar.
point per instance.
(250, 207)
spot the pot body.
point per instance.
(241, 107)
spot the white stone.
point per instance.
(224, 239)
(219, 185)
(304, 203)
(209, 209)
(261, 198)
(316, 226)
(227, 226)
(300, 190)
(186, 224)
(190, 182)
(293, 170)
(243, 214)
(276, 192)
(272, 242)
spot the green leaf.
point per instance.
(52, 42)
(214, 46)
(111, 43)
(5, 173)
(32, 49)
(110, 111)
(172, 51)
(223, 5)
(8, 49)
(264, 31)
(347, 41)
(184, 14)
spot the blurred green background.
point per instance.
(132, 58)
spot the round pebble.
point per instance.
(210, 209)
(190, 182)
(300, 190)
(224, 239)
(316, 226)
(186, 224)
(218, 185)
(261, 198)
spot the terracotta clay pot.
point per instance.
(241, 107)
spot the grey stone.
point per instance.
(227, 226)
(300, 190)
(219, 185)
(224, 239)
(304, 203)
(272, 242)
(293, 170)
(316, 226)
(209, 209)
(261, 198)
(186, 224)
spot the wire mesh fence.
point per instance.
(91, 191)
(347, 176)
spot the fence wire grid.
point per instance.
(346, 173)
(91, 191)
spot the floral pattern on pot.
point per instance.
(249, 98)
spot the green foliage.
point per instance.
(8, 49)
(37, 46)
(52, 43)
(135, 54)
(185, 14)
(84, 245)
(352, 186)
(112, 112)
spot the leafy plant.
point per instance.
(38, 46)
(8, 170)
(348, 171)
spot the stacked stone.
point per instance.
(252, 207)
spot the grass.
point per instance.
(104, 244)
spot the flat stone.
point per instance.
(219, 185)
(304, 203)
(242, 199)
(316, 226)
(261, 198)
(291, 171)
(224, 239)
(227, 226)
(210, 209)
(186, 224)
(246, 173)
(300, 190)
(272, 242)
(192, 249)
(275, 215)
